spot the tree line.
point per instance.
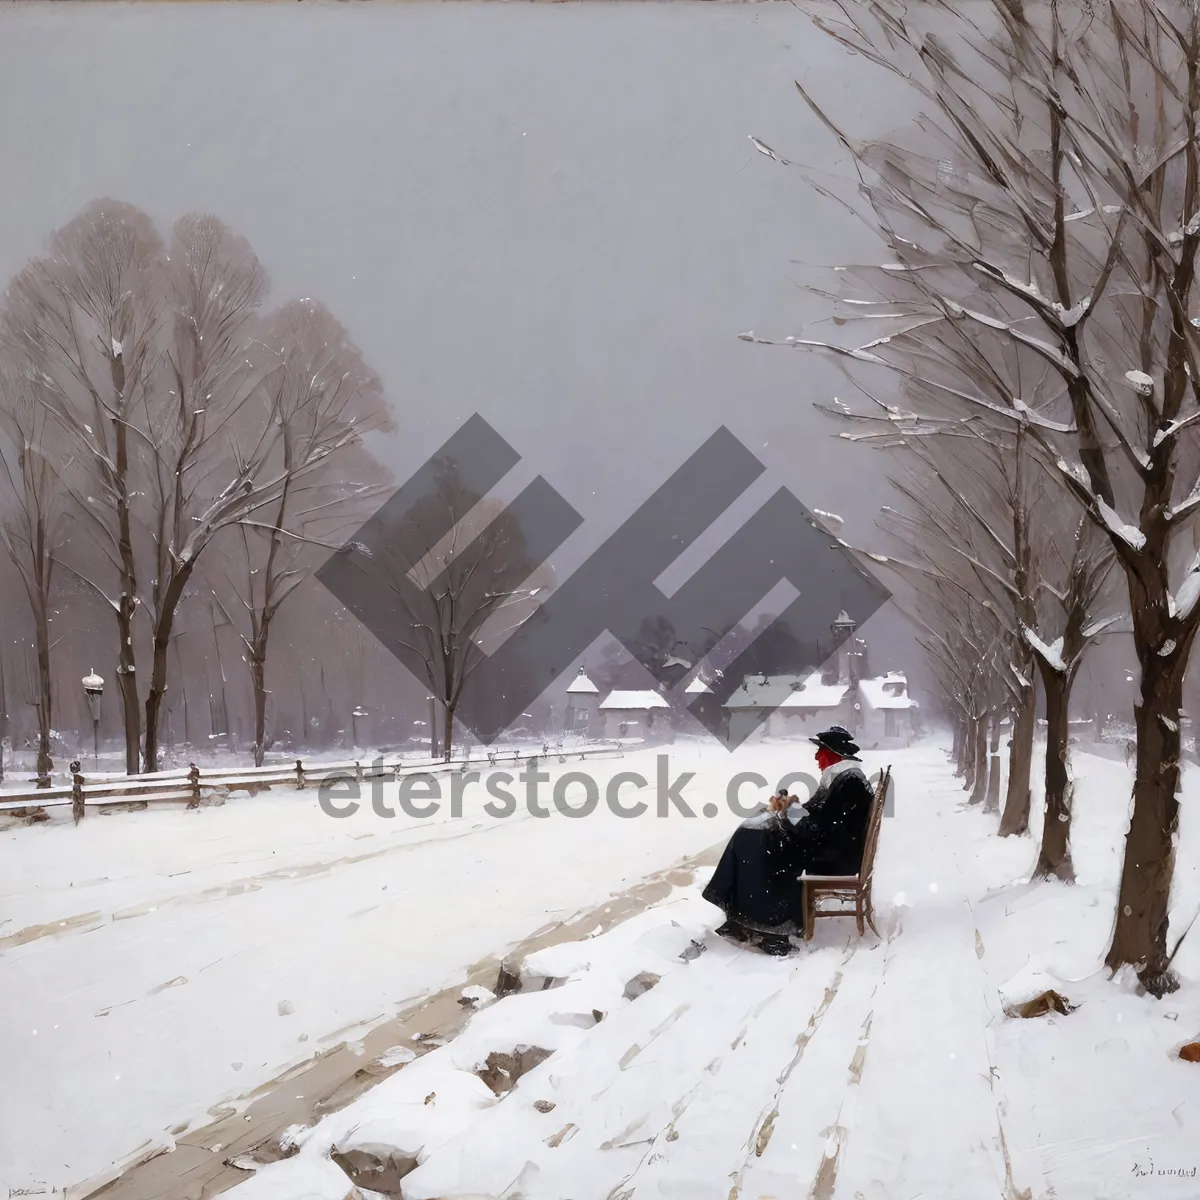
(1027, 358)
(167, 441)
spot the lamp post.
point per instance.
(358, 712)
(93, 687)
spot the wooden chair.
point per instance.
(849, 888)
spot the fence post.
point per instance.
(358, 771)
(77, 809)
(300, 784)
(194, 779)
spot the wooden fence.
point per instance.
(191, 786)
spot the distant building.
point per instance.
(879, 712)
(583, 707)
(703, 705)
(637, 714)
(786, 706)
(888, 714)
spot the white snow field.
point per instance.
(852, 1069)
(145, 956)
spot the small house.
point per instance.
(637, 714)
(583, 707)
(705, 706)
(786, 706)
(887, 713)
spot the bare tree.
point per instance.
(936, 543)
(201, 476)
(318, 387)
(1009, 540)
(962, 644)
(1044, 232)
(31, 526)
(1087, 566)
(171, 425)
(82, 323)
(474, 586)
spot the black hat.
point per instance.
(839, 740)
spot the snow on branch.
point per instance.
(1097, 627)
(1051, 655)
(1141, 383)
(1130, 535)
(1184, 600)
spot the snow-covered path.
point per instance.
(855, 1070)
(156, 964)
(742, 1076)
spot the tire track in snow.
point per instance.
(865, 975)
(1010, 1187)
(931, 1056)
(670, 1152)
(622, 1116)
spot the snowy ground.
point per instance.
(854, 1070)
(145, 956)
(850, 1070)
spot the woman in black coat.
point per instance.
(756, 882)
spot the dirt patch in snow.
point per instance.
(1041, 1005)
(640, 984)
(379, 1175)
(501, 1071)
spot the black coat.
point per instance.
(756, 879)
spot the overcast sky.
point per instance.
(550, 214)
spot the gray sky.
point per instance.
(549, 214)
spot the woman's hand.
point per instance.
(779, 803)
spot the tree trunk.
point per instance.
(158, 687)
(1015, 819)
(979, 788)
(956, 745)
(992, 803)
(448, 733)
(969, 749)
(962, 743)
(127, 601)
(187, 730)
(127, 682)
(257, 661)
(45, 708)
(3, 713)
(158, 667)
(1054, 859)
(1140, 936)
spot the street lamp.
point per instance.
(93, 687)
(358, 712)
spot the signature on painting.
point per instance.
(1148, 1168)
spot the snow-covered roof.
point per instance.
(889, 691)
(764, 691)
(815, 694)
(634, 700)
(696, 687)
(787, 691)
(582, 684)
